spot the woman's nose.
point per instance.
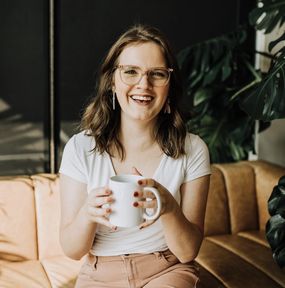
(144, 81)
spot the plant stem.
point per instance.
(244, 88)
(257, 80)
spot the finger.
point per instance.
(149, 183)
(95, 212)
(103, 191)
(146, 223)
(136, 171)
(144, 194)
(104, 221)
(145, 204)
(99, 201)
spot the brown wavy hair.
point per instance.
(103, 123)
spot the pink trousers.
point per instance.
(155, 270)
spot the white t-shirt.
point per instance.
(94, 169)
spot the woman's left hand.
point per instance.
(168, 203)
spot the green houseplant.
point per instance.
(226, 94)
(213, 72)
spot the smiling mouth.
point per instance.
(142, 99)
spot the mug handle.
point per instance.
(158, 209)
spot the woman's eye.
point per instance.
(131, 72)
(158, 74)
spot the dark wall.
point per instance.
(88, 28)
(84, 32)
(24, 57)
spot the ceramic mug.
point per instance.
(124, 214)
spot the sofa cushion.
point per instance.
(267, 176)
(47, 200)
(231, 269)
(240, 186)
(255, 236)
(62, 271)
(253, 253)
(217, 220)
(24, 274)
(18, 236)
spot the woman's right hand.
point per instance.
(98, 208)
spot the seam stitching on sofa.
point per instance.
(247, 260)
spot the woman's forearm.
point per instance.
(183, 237)
(77, 237)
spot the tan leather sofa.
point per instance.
(234, 252)
(30, 254)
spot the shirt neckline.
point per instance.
(155, 174)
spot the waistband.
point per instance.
(96, 259)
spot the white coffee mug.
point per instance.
(124, 214)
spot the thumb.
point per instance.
(135, 171)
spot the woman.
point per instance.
(133, 126)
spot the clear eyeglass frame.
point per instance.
(132, 75)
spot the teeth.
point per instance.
(142, 98)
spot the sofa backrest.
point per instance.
(238, 196)
(29, 217)
(30, 207)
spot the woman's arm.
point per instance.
(184, 226)
(80, 214)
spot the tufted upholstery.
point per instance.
(234, 252)
(30, 254)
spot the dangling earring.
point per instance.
(167, 109)
(114, 100)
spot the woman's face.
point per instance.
(143, 100)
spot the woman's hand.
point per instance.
(98, 208)
(168, 203)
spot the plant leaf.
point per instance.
(267, 15)
(265, 100)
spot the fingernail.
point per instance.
(114, 228)
(135, 204)
(140, 182)
(136, 194)
(108, 210)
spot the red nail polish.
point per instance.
(140, 182)
(136, 204)
(136, 194)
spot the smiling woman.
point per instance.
(133, 126)
(141, 95)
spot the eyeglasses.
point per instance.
(132, 75)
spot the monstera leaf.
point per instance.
(213, 71)
(267, 15)
(211, 61)
(275, 227)
(265, 100)
(225, 94)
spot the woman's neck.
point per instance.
(136, 135)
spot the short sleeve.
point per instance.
(198, 159)
(72, 163)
